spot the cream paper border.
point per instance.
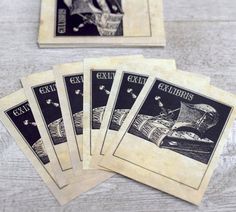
(57, 153)
(63, 194)
(105, 135)
(104, 64)
(75, 142)
(158, 180)
(47, 36)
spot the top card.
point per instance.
(102, 18)
(112, 21)
(177, 128)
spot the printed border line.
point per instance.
(43, 165)
(114, 105)
(45, 124)
(70, 109)
(209, 162)
(55, 27)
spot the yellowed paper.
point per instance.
(173, 135)
(16, 115)
(40, 89)
(120, 23)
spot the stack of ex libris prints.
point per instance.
(173, 135)
(93, 23)
(82, 122)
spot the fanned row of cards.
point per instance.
(82, 122)
(101, 23)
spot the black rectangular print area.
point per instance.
(75, 93)
(89, 18)
(182, 121)
(48, 102)
(101, 86)
(130, 88)
(22, 118)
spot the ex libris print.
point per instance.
(89, 18)
(42, 93)
(101, 23)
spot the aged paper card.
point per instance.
(101, 23)
(16, 115)
(173, 135)
(41, 91)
